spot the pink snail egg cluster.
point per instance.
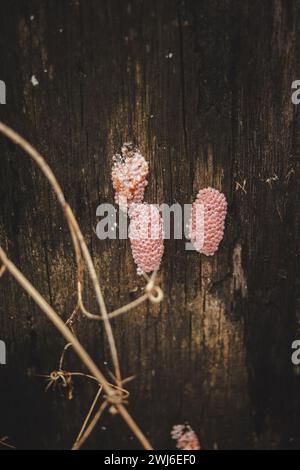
(146, 236)
(208, 220)
(185, 437)
(129, 176)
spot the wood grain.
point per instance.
(204, 89)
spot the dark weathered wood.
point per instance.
(204, 89)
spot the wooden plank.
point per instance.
(204, 89)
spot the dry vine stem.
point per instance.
(81, 252)
(111, 396)
(80, 440)
(5, 444)
(87, 418)
(76, 234)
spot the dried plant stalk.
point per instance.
(79, 440)
(79, 443)
(77, 237)
(111, 395)
(83, 259)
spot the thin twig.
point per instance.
(129, 306)
(150, 289)
(122, 390)
(83, 258)
(111, 395)
(2, 270)
(64, 374)
(67, 346)
(99, 296)
(90, 428)
(87, 418)
(75, 233)
(5, 444)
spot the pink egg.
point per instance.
(146, 236)
(129, 176)
(207, 220)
